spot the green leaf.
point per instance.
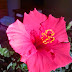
(23, 67)
(17, 67)
(68, 27)
(18, 60)
(5, 52)
(9, 65)
(13, 65)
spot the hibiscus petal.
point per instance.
(19, 39)
(41, 62)
(58, 26)
(33, 19)
(50, 22)
(45, 61)
(62, 54)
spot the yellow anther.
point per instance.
(46, 38)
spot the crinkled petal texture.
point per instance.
(43, 61)
(62, 54)
(19, 39)
(32, 20)
(38, 56)
(58, 26)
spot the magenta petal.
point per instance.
(58, 26)
(19, 39)
(50, 22)
(33, 19)
(41, 62)
(45, 61)
(62, 54)
(60, 31)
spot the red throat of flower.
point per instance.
(48, 36)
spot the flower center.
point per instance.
(48, 36)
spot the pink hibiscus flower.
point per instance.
(41, 41)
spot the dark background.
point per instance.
(57, 8)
